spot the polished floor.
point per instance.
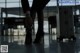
(49, 45)
(16, 45)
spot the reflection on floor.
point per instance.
(16, 45)
(50, 45)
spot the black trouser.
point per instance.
(37, 7)
(25, 5)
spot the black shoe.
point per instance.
(39, 37)
(28, 39)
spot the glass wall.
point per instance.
(12, 6)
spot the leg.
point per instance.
(25, 5)
(39, 5)
(40, 21)
(28, 21)
(40, 31)
(33, 15)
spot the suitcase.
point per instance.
(65, 23)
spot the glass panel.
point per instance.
(77, 2)
(13, 4)
(12, 0)
(66, 2)
(2, 5)
(8, 5)
(2, 0)
(9, 0)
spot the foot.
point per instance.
(28, 43)
(28, 26)
(39, 37)
(28, 39)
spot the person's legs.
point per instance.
(28, 25)
(40, 31)
(40, 20)
(28, 21)
(38, 6)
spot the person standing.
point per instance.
(30, 13)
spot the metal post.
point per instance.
(75, 8)
(2, 22)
